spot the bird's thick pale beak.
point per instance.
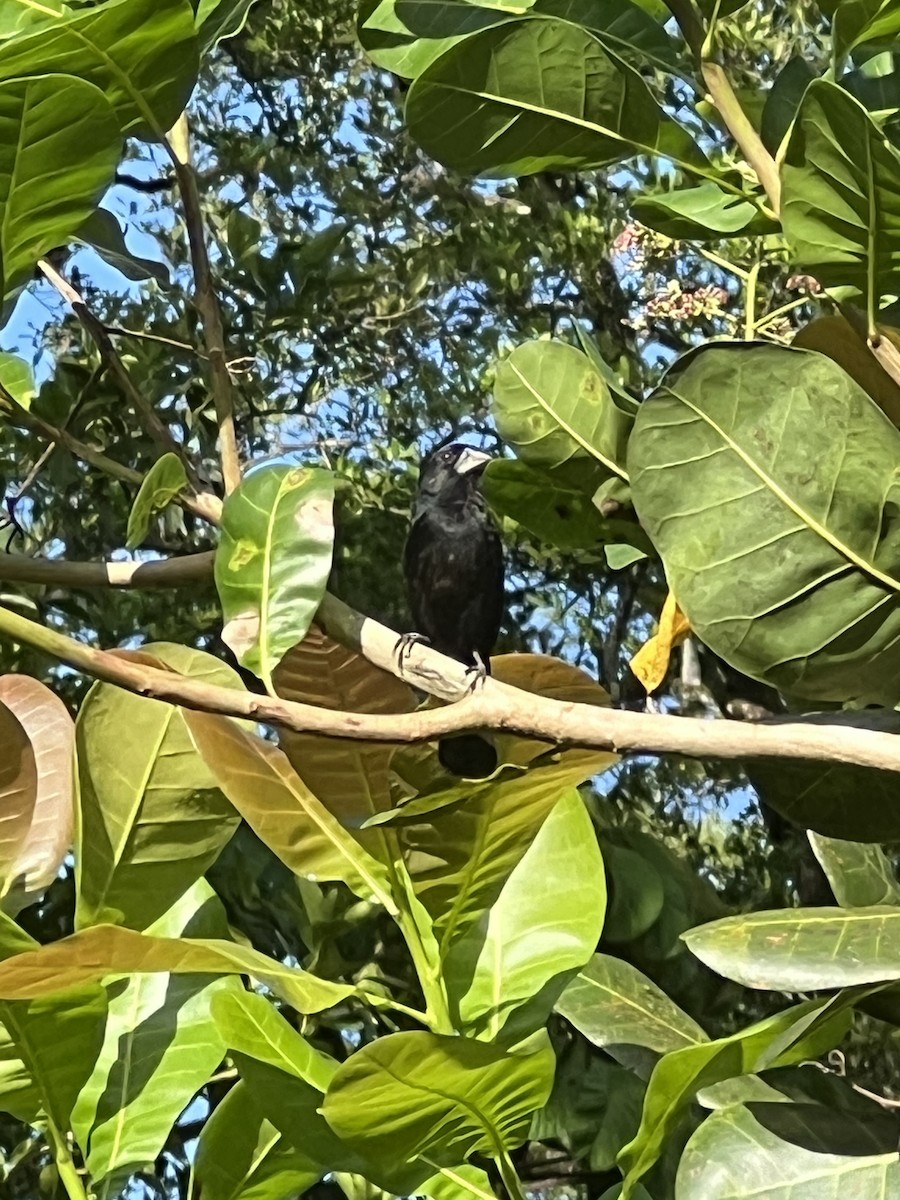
(471, 461)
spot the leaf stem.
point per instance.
(511, 1181)
(65, 1164)
(750, 302)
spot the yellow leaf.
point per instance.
(651, 662)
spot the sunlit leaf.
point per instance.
(651, 663)
(860, 874)
(162, 483)
(273, 561)
(17, 379)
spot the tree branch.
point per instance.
(163, 573)
(207, 303)
(494, 705)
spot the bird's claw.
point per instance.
(404, 644)
(476, 674)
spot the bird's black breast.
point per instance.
(454, 573)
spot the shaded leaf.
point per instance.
(242, 1156)
(812, 537)
(104, 233)
(273, 561)
(612, 1003)
(782, 102)
(680, 1074)
(261, 784)
(18, 794)
(162, 483)
(835, 337)
(444, 1098)
(506, 971)
(839, 181)
(59, 148)
(538, 95)
(51, 731)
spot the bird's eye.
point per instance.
(446, 456)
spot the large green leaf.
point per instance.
(251, 1026)
(262, 785)
(704, 213)
(860, 874)
(110, 950)
(552, 509)
(841, 179)
(680, 1074)
(738, 1153)
(142, 54)
(787, 565)
(162, 483)
(538, 95)
(59, 148)
(803, 949)
(273, 561)
(406, 36)
(242, 1156)
(814, 794)
(48, 838)
(152, 818)
(17, 379)
(160, 1046)
(507, 970)
(20, 16)
(612, 1003)
(444, 1098)
(554, 409)
(104, 234)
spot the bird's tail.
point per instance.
(468, 755)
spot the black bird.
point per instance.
(453, 562)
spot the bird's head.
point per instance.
(451, 473)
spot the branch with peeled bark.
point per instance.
(493, 706)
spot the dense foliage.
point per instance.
(649, 250)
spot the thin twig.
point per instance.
(94, 327)
(207, 303)
(139, 335)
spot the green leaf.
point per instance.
(160, 1046)
(110, 950)
(274, 801)
(680, 1074)
(142, 54)
(552, 509)
(442, 1098)
(104, 233)
(840, 176)
(47, 840)
(814, 794)
(737, 1152)
(814, 534)
(506, 971)
(21, 17)
(703, 213)
(152, 818)
(251, 1026)
(242, 1156)
(554, 409)
(861, 875)
(59, 148)
(874, 24)
(273, 561)
(539, 95)
(637, 894)
(162, 483)
(612, 1003)
(220, 19)
(782, 102)
(803, 949)
(406, 36)
(17, 379)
